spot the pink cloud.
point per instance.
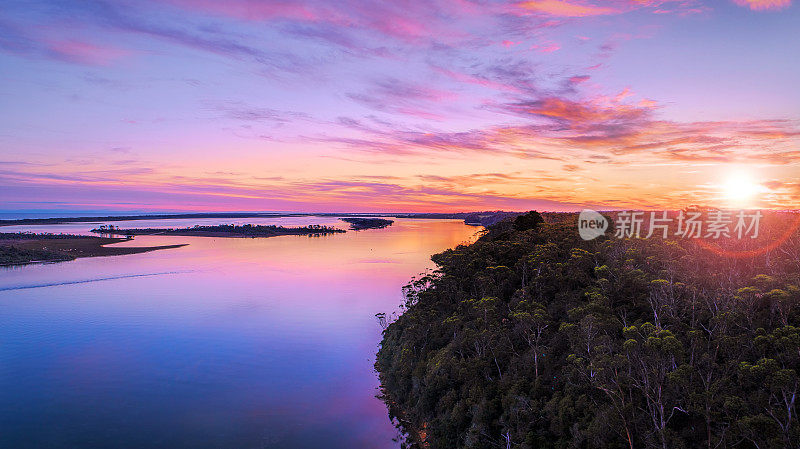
(547, 48)
(403, 19)
(566, 9)
(579, 79)
(249, 10)
(623, 95)
(472, 79)
(764, 5)
(408, 98)
(582, 8)
(84, 52)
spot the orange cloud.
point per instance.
(580, 113)
(566, 9)
(601, 130)
(764, 5)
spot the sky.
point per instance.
(404, 105)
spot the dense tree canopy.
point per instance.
(534, 338)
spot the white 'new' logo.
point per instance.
(591, 224)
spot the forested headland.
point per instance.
(534, 338)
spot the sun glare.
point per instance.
(740, 189)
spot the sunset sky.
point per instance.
(404, 105)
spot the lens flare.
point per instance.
(740, 189)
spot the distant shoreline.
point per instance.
(471, 218)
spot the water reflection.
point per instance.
(225, 343)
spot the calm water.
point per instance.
(225, 343)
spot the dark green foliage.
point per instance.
(248, 230)
(359, 223)
(528, 221)
(534, 338)
(12, 255)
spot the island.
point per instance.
(248, 230)
(360, 223)
(20, 248)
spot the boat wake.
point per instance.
(86, 281)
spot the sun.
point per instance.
(740, 189)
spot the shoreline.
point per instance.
(471, 218)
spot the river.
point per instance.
(225, 343)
